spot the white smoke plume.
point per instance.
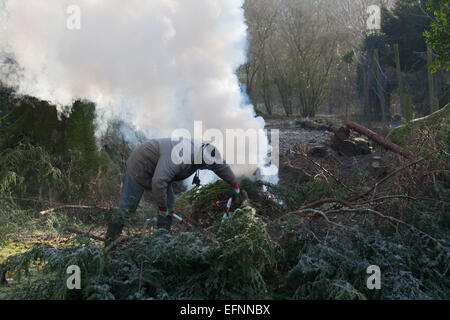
(157, 64)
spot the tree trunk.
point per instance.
(400, 80)
(430, 80)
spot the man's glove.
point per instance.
(164, 220)
(235, 189)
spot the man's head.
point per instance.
(211, 156)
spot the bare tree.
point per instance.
(261, 16)
(311, 48)
(300, 50)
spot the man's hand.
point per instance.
(235, 189)
(164, 211)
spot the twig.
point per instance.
(71, 207)
(363, 209)
(326, 200)
(323, 169)
(298, 169)
(299, 212)
(389, 197)
(114, 243)
(388, 218)
(393, 173)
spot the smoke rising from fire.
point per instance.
(158, 64)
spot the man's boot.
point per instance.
(115, 227)
(113, 232)
(164, 222)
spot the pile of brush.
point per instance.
(215, 263)
(265, 249)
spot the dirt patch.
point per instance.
(316, 140)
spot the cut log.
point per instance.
(380, 140)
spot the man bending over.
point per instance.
(151, 166)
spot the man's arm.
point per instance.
(164, 173)
(224, 172)
(170, 197)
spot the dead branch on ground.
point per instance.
(72, 207)
(380, 140)
(393, 173)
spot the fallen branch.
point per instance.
(289, 165)
(389, 197)
(299, 153)
(393, 173)
(309, 207)
(363, 209)
(299, 213)
(380, 140)
(71, 207)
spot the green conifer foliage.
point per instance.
(79, 136)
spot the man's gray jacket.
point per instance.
(150, 166)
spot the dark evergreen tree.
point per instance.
(372, 77)
(405, 25)
(439, 33)
(68, 142)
